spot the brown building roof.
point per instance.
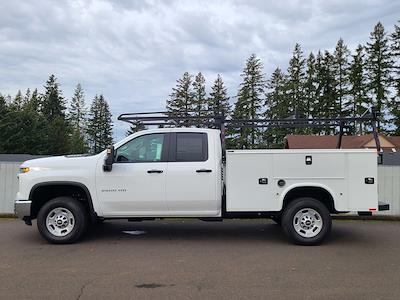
(348, 141)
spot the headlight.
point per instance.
(24, 170)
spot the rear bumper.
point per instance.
(22, 209)
(382, 206)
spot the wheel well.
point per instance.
(317, 193)
(42, 193)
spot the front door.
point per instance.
(136, 184)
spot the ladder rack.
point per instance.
(219, 121)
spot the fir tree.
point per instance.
(358, 86)
(277, 108)
(34, 102)
(328, 104)
(78, 120)
(137, 126)
(53, 101)
(100, 125)
(296, 81)
(78, 111)
(341, 74)
(53, 109)
(219, 101)
(181, 99)
(310, 86)
(199, 99)
(379, 64)
(27, 98)
(18, 100)
(394, 105)
(3, 105)
(248, 105)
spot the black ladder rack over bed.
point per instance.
(165, 119)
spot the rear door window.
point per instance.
(191, 147)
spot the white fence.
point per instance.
(8, 186)
(388, 185)
(389, 188)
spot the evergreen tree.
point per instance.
(18, 101)
(394, 105)
(3, 105)
(137, 126)
(34, 102)
(296, 81)
(181, 99)
(53, 101)
(78, 119)
(78, 111)
(379, 64)
(26, 98)
(53, 109)
(341, 74)
(199, 100)
(328, 103)
(358, 86)
(277, 104)
(100, 125)
(219, 100)
(22, 130)
(310, 86)
(248, 105)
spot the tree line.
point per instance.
(41, 123)
(322, 85)
(339, 83)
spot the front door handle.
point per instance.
(154, 171)
(204, 171)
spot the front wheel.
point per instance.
(62, 220)
(306, 221)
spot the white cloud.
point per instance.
(133, 51)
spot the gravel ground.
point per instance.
(191, 259)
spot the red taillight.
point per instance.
(372, 209)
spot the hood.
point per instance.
(66, 161)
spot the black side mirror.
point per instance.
(109, 160)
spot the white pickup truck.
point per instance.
(180, 172)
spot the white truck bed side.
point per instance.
(340, 172)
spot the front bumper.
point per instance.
(22, 209)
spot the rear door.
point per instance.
(191, 182)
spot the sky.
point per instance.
(133, 52)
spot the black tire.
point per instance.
(66, 204)
(300, 206)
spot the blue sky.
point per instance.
(133, 51)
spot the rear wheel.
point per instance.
(62, 220)
(306, 221)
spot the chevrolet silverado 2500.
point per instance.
(180, 172)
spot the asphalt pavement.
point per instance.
(190, 259)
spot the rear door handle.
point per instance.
(203, 171)
(154, 171)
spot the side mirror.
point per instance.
(109, 160)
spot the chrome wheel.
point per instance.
(307, 222)
(60, 222)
